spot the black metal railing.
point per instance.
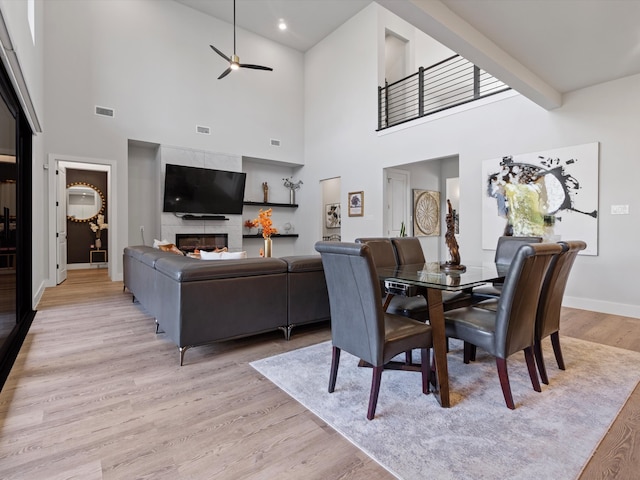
(446, 84)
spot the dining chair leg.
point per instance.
(555, 341)
(375, 388)
(537, 350)
(408, 359)
(504, 382)
(469, 353)
(335, 360)
(425, 367)
(531, 366)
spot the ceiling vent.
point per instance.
(105, 112)
(203, 130)
(275, 143)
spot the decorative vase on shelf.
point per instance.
(98, 244)
(267, 247)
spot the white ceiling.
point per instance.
(565, 44)
(308, 21)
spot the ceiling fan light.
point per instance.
(235, 62)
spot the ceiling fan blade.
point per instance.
(255, 67)
(228, 59)
(225, 73)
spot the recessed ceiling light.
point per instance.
(282, 25)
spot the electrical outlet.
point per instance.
(619, 209)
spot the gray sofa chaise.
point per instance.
(196, 302)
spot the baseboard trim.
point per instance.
(600, 306)
(38, 295)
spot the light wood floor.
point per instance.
(95, 394)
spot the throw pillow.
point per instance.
(170, 248)
(233, 255)
(210, 255)
(157, 243)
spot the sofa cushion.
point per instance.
(185, 269)
(151, 256)
(137, 251)
(303, 263)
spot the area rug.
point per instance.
(550, 434)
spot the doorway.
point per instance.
(58, 254)
(331, 209)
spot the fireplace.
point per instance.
(188, 242)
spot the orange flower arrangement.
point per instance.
(264, 220)
(250, 224)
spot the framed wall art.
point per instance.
(552, 194)
(356, 204)
(332, 215)
(426, 213)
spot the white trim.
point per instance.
(11, 63)
(601, 306)
(38, 295)
(85, 163)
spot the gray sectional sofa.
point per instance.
(196, 302)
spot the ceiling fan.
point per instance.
(234, 60)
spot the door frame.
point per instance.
(82, 163)
(408, 214)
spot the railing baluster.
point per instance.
(421, 92)
(476, 82)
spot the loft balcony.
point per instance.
(446, 84)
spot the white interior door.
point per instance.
(398, 199)
(61, 227)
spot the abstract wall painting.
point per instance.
(552, 194)
(333, 217)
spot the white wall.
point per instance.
(144, 184)
(341, 140)
(151, 62)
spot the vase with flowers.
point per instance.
(266, 224)
(97, 229)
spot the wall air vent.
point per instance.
(203, 130)
(275, 143)
(105, 112)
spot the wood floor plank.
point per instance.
(96, 394)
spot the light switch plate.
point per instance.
(619, 209)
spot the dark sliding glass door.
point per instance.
(16, 313)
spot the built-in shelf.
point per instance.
(269, 204)
(259, 235)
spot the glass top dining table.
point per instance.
(431, 275)
(430, 280)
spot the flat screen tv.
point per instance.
(203, 190)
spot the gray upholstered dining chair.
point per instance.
(511, 328)
(384, 256)
(548, 313)
(408, 250)
(506, 249)
(358, 323)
